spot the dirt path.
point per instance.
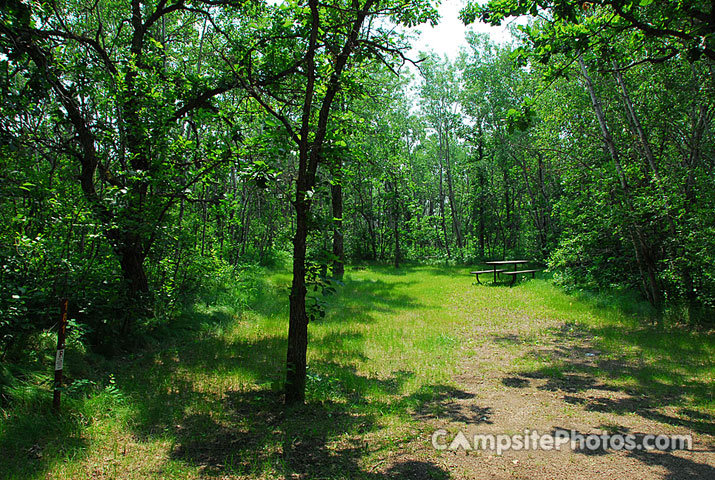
(498, 397)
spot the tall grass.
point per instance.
(205, 399)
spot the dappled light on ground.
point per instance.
(397, 356)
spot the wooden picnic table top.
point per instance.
(506, 262)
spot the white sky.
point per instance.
(449, 35)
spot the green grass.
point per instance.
(205, 401)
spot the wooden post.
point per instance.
(60, 358)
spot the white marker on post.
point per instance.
(59, 359)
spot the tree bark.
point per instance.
(309, 156)
(441, 197)
(643, 258)
(645, 144)
(396, 224)
(336, 191)
(450, 192)
(481, 197)
(509, 230)
(298, 325)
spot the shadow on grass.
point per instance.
(628, 370)
(251, 432)
(32, 441)
(184, 392)
(676, 467)
(215, 397)
(33, 438)
(359, 299)
(318, 440)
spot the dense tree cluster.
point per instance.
(637, 199)
(151, 152)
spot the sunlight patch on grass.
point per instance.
(207, 402)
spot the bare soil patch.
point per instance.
(498, 396)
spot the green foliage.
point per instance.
(629, 209)
(672, 26)
(145, 167)
(389, 346)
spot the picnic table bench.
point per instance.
(500, 263)
(478, 272)
(519, 272)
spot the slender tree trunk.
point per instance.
(450, 192)
(634, 120)
(509, 230)
(373, 237)
(643, 258)
(645, 144)
(204, 220)
(309, 155)
(179, 251)
(364, 207)
(546, 210)
(336, 191)
(535, 209)
(598, 110)
(396, 219)
(690, 163)
(481, 231)
(441, 199)
(298, 325)
(296, 358)
(397, 243)
(481, 197)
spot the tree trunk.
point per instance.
(298, 325)
(308, 158)
(441, 201)
(645, 144)
(546, 211)
(450, 193)
(481, 198)
(132, 263)
(131, 260)
(336, 191)
(643, 258)
(509, 228)
(396, 218)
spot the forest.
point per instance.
(163, 156)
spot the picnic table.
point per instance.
(503, 263)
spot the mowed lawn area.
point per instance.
(399, 354)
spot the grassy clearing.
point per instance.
(206, 401)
